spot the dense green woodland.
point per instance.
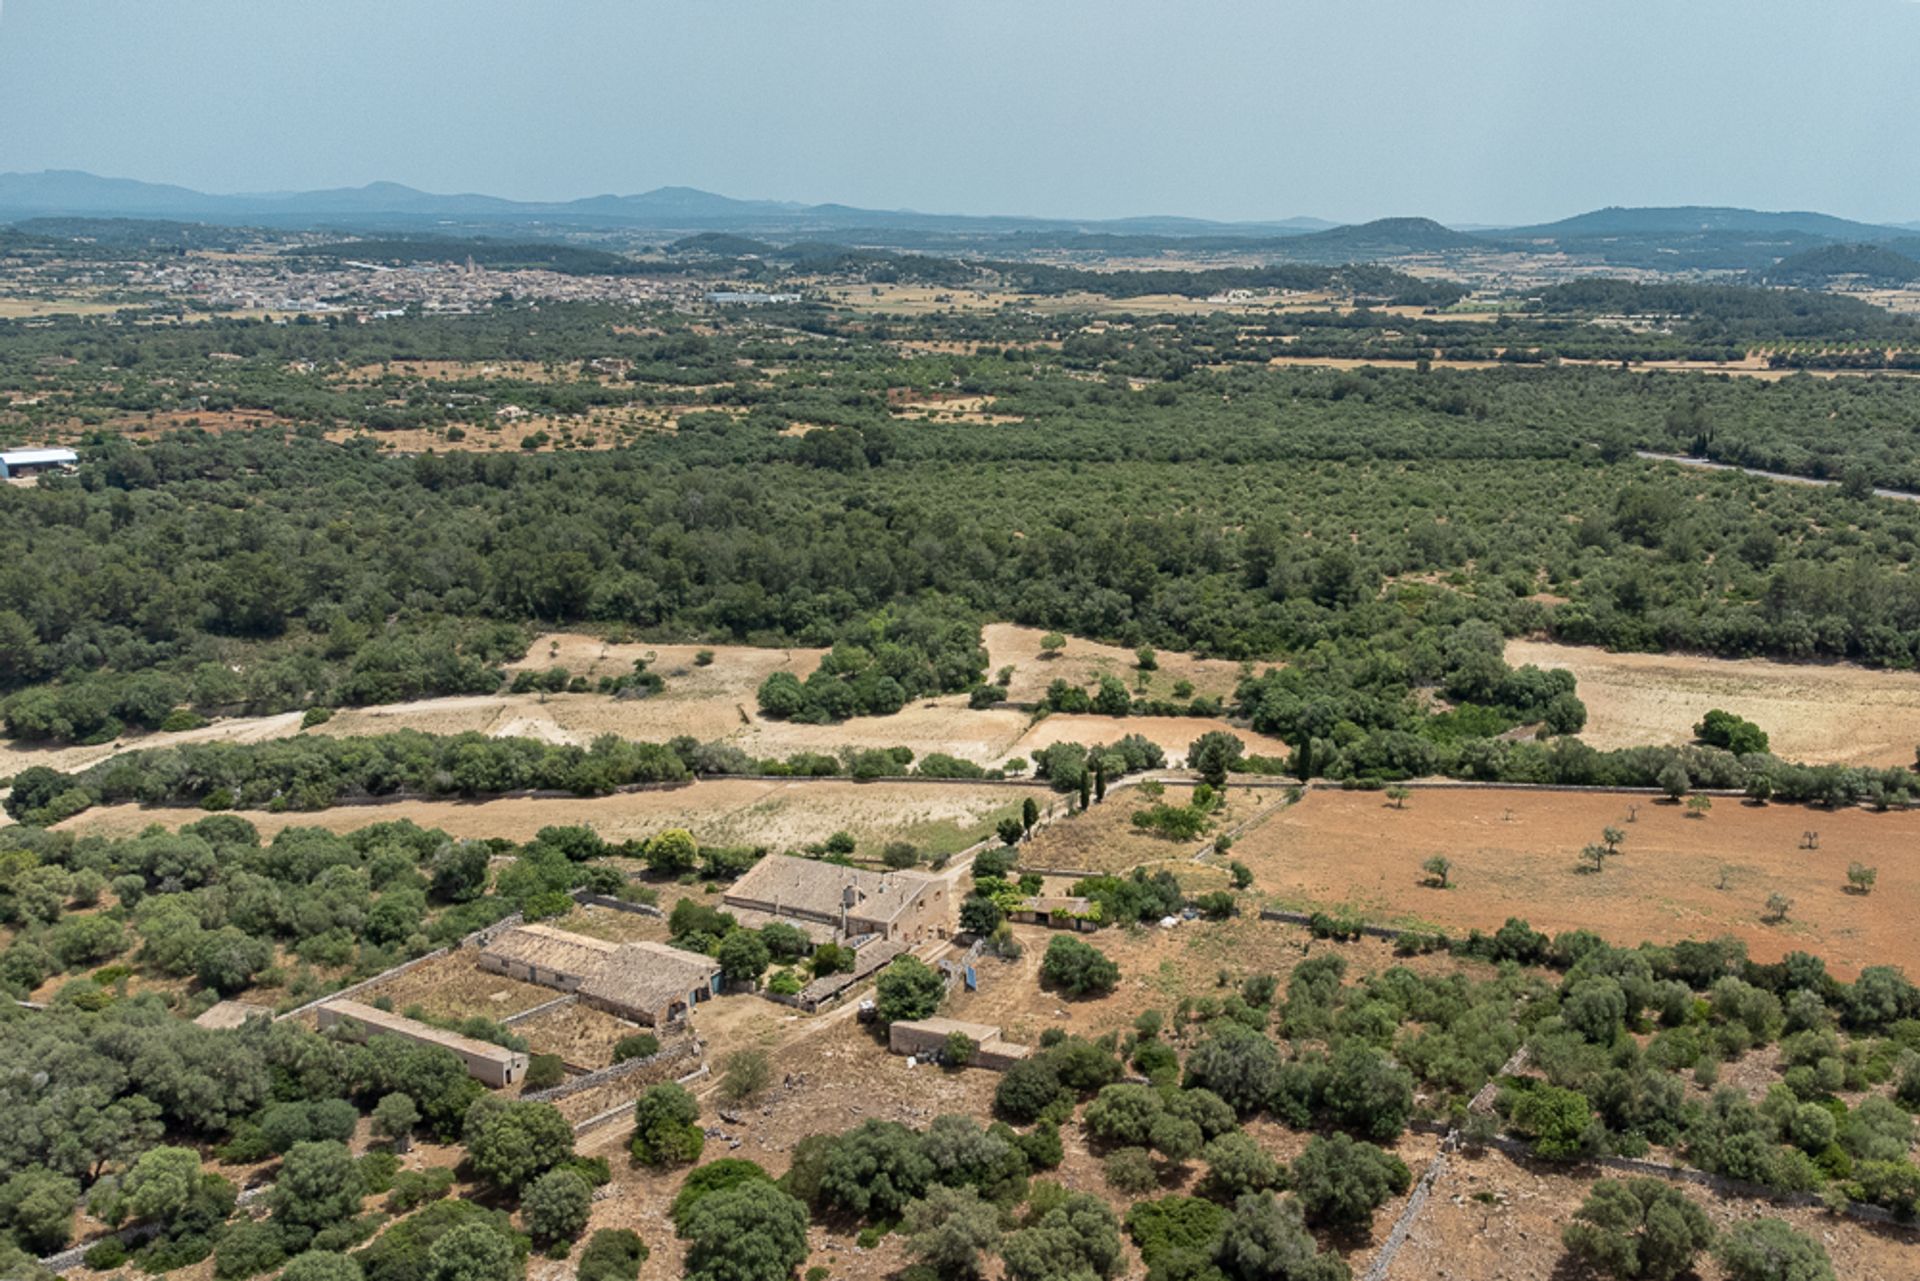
(1255, 515)
(1359, 524)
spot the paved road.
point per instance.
(1707, 464)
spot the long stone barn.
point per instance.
(487, 1063)
(851, 902)
(649, 983)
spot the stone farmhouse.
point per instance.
(649, 983)
(837, 903)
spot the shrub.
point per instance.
(544, 1071)
(747, 1074)
(1734, 734)
(1237, 1165)
(950, 1230)
(322, 1265)
(959, 1049)
(1770, 1250)
(1130, 1170)
(875, 1169)
(1030, 1089)
(1041, 1146)
(705, 1180)
(743, 957)
(1367, 1092)
(413, 1188)
(511, 1144)
(247, 1249)
(1340, 1183)
(612, 1254)
(1123, 1115)
(1175, 1234)
(106, 1255)
(908, 989)
(1559, 1122)
(1077, 1236)
(666, 1129)
(38, 1205)
(1078, 968)
(557, 1205)
(639, 1045)
(1265, 1238)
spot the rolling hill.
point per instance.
(1875, 265)
(1680, 220)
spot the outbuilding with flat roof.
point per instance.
(927, 1039)
(487, 1063)
(28, 462)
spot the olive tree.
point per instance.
(1770, 1250)
(557, 1205)
(666, 1126)
(950, 1229)
(1340, 1182)
(1637, 1230)
(752, 1232)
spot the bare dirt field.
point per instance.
(1816, 713)
(952, 409)
(717, 701)
(28, 308)
(1496, 1218)
(1083, 662)
(939, 817)
(526, 371)
(1160, 966)
(1517, 853)
(419, 440)
(1174, 734)
(1104, 839)
(159, 423)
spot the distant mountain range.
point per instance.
(385, 205)
(1663, 239)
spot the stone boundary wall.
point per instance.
(476, 939)
(588, 898)
(620, 1110)
(668, 1056)
(1303, 918)
(542, 1008)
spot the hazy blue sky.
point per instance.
(1464, 110)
